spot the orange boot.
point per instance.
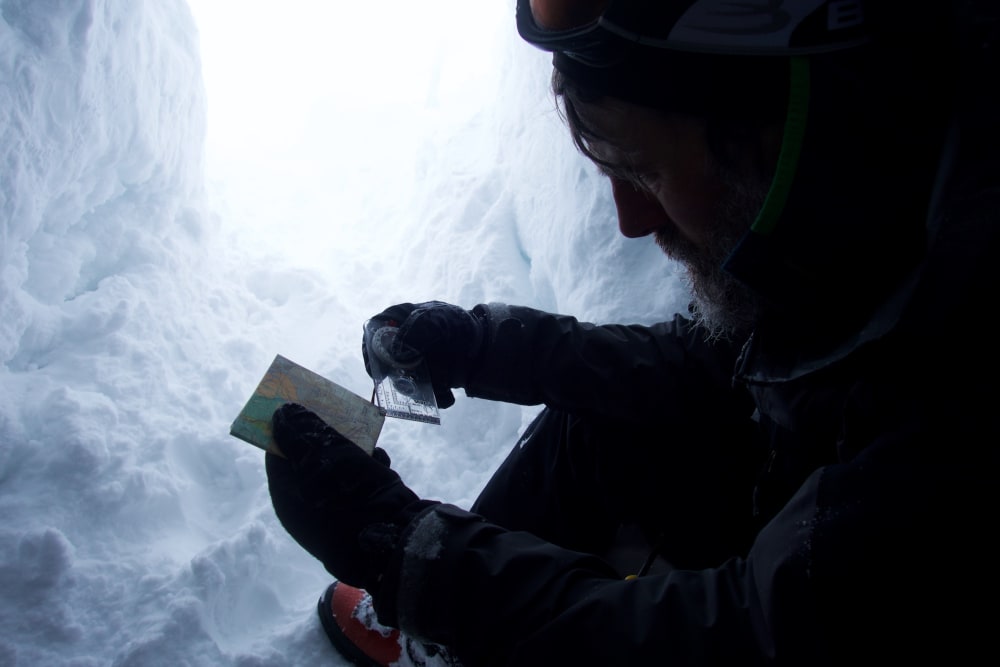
(349, 620)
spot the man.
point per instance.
(810, 458)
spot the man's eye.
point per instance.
(643, 179)
(611, 171)
(637, 179)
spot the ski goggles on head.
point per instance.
(614, 29)
(590, 42)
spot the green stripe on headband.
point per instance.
(791, 148)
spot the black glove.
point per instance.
(451, 340)
(344, 507)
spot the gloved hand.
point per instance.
(344, 507)
(450, 338)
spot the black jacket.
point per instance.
(875, 507)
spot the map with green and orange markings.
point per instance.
(354, 417)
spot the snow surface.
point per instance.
(152, 263)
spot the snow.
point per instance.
(171, 222)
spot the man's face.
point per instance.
(667, 183)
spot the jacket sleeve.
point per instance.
(615, 371)
(498, 597)
(874, 560)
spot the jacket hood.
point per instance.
(853, 226)
(898, 229)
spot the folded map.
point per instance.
(354, 417)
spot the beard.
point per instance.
(722, 305)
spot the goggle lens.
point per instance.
(559, 15)
(571, 28)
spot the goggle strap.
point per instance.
(791, 147)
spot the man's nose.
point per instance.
(638, 213)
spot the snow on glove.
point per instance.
(342, 506)
(450, 338)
